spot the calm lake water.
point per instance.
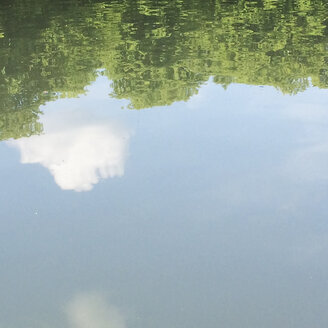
(163, 164)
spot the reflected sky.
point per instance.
(218, 220)
(163, 164)
(77, 147)
(86, 139)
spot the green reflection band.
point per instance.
(154, 52)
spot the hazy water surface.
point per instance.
(163, 164)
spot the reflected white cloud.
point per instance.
(92, 310)
(77, 149)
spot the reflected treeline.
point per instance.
(154, 52)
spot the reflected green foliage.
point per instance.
(155, 52)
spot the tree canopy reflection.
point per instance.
(154, 52)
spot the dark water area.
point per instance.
(153, 52)
(163, 164)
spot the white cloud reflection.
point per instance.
(92, 310)
(77, 149)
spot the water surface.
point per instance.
(163, 164)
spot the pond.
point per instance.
(163, 163)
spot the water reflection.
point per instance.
(308, 161)
(92, 310)
(222, 219)
(154, 52)
(212, 214)
(77, 148)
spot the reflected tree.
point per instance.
(155, 52)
